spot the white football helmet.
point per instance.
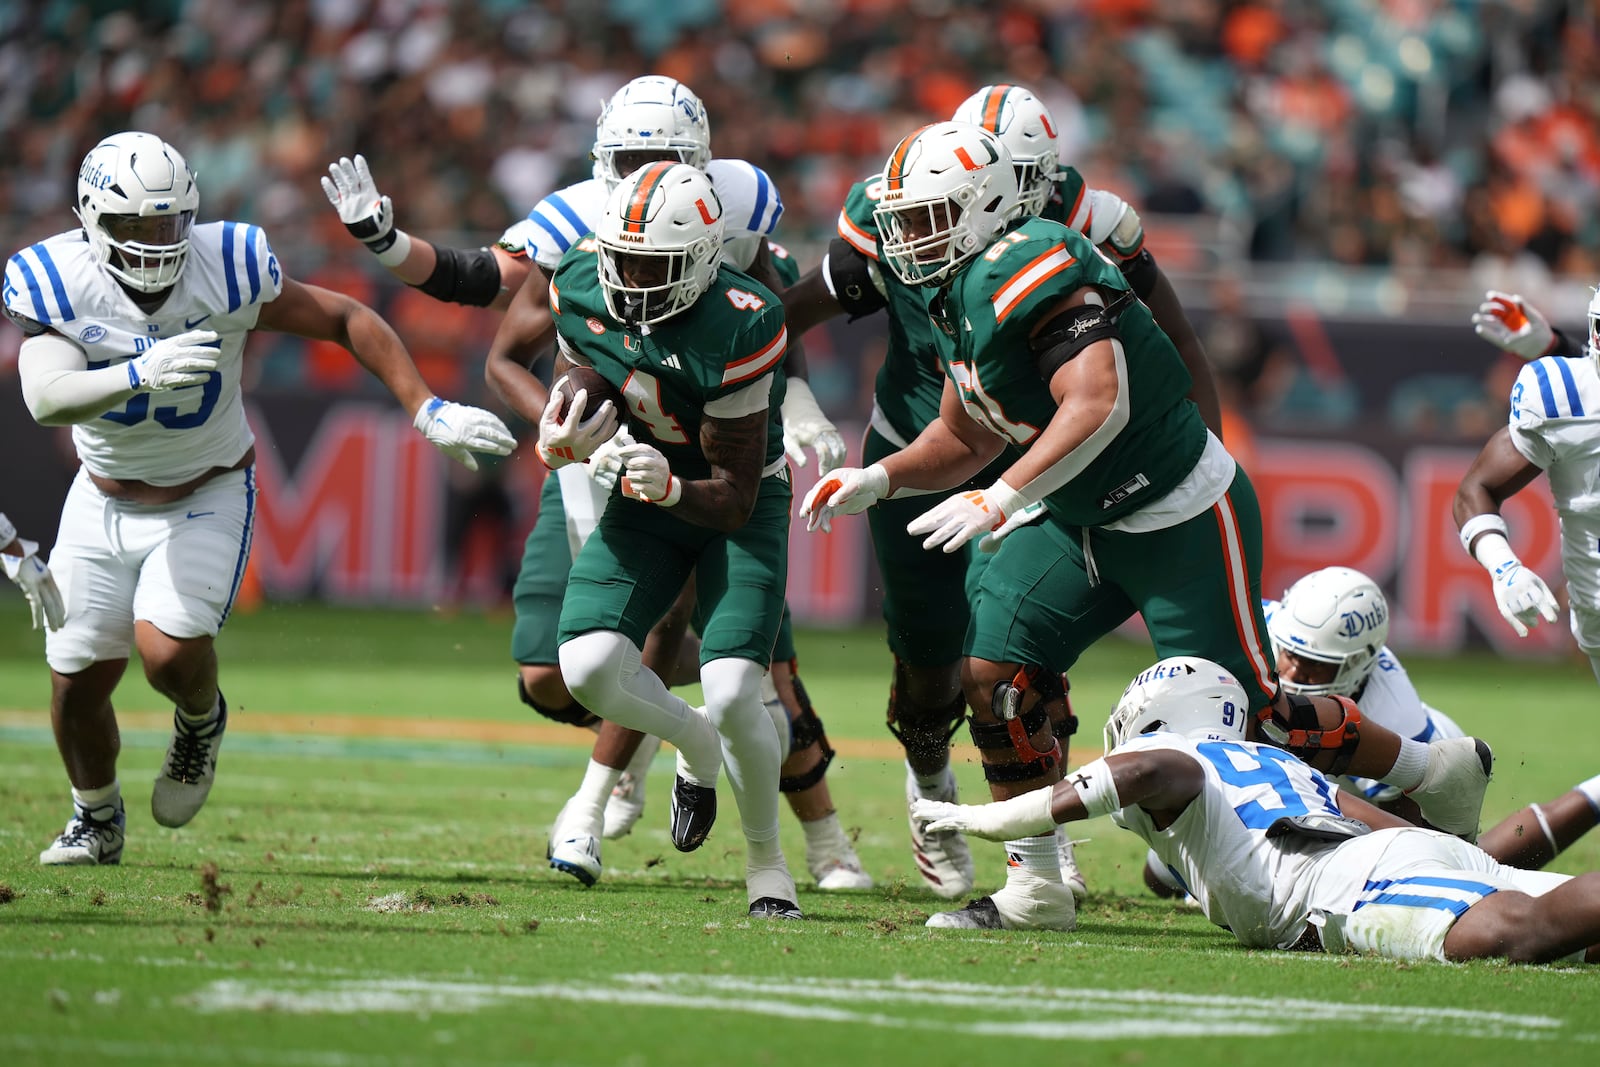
(649, 119)
(1025, 126)
(948, 189)
(660, 242)
(1336, 616)
(1182, 695)
(137, 201)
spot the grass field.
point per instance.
(367, 886)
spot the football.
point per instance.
(595, 384)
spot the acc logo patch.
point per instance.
(92, 333)
(594, 325)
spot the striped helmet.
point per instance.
(948, 189)
(1025, 127)
(660, 242)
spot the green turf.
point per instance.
(281, 957)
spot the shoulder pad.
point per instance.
(750, 200)
(1546, 388)
(38, 284)
(857, 222)
(249, 269)
(558, 221)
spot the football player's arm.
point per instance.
(525, 335)
(736, 449)
(1498, 473)
(478, 277)
(1161, 781)
(1169, 315)
(1356, 807)
(60, 389)
(948, 451)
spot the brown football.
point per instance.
(595, 384)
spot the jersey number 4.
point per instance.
(172, 416)
(642, 393)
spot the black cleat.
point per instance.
(980, 914)
(774, 908)
(694, 812)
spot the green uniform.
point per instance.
(703, 362)
(541, 581)
(1195, 574)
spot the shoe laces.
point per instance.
(190, 748)
(83, 829)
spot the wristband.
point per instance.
(1008, 500)
(393, 251)
(1096, 787)
(1482, 524)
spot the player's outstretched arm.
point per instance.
(525, 335)
(321, 314)
(478, 277)
(1498, 473)
(61, 390)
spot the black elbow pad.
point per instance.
(849, 274)
(464, 276)
(1141, 272)
(1073, 330)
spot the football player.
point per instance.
(696, 347)
(1049, 353)
(649, 119)
(927, 596)
(20, 558)
(1274, 853)
(1555, 411)
(136, 325)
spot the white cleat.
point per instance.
(579, 856)
(1026, 902)
(92, 837)
(1450, 794)
(943, 859)
(189, 769)
(1071, 876)
(837, 867)
(626, 802)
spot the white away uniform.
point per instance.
(751, 207)
(1555, 424)
(176, 565)
(1393, 893)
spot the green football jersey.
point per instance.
(674, 373)
(910, 381)
(783, 263)
(984, 317)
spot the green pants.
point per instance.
(541, 581)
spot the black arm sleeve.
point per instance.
(848, 274)
(1075, 329)
(1564, 345)
(1141, 273)
(464, 276)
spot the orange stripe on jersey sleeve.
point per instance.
(754, 366)
(555, 299)
(1040, 269)
(856, 237)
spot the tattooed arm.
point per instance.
(736, 449)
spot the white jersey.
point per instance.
(163, 438)
(750, 205)
(1555, 424)
(1218, 847)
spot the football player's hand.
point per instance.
(1030, 514)
(646, 476)
(37, 584)
(458, 431)
(1003, 820)
(368, 215)
(1522, 597)
(1505, 321)
(958, 519)
(805, 426)
(176, 362)
(844, 491)
(565, 436)
(605, 465)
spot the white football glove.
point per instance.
(572, 439)
(646, 476)
(1522, 597)
(805, 426)
(1506, 321)
(1030, 514)
(37, 584)
(958, 519)
(845, 491)
(605, 464)
(458, 431)
(176, 362)
(1003, 820)
(367, 214)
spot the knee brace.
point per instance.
(1015, 735)
(805, 730)
(931, 728)
(574, 714)
(1302, 735)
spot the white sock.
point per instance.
(1591, 790)
(90, 799)
(587, 808)
(1409, 765)
(1037, 855)
(824, 833)
(201, 720)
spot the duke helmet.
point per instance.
(1337, 616)
(650, 118)
(1182, 695)
(137, 201)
